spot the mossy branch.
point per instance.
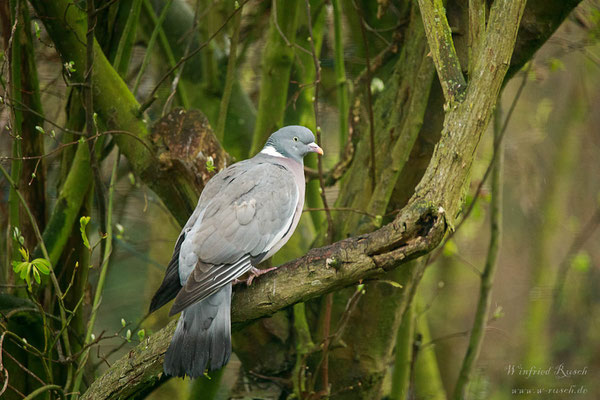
(465, 122)
(442, 48)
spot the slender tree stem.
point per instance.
(101, 280)
(340, 73)
(150, 46)
(17, 119)
(317, 66)
(476, 30)
(54, 280)
(487, 277)
(373, 166)
(44, 389)
(442, 48)
(229, 77)
(165, 45)
(404, 355)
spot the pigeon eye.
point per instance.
(295, 138)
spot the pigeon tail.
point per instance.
(202, 339)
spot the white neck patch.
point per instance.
(270, 151)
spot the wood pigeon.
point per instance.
(245, 214)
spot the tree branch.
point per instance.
(416, 231)
(442, 48)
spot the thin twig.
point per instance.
(90, 124)
(44, 389)
(24, 368)
(102, 278)
(179, 73)
(53, 279)
(348, 209)
(152, 94)
(285, 39)
(150, 45)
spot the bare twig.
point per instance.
(175, 82)
(348, 209)
(24, 368)
(150, 99)
(150, 45)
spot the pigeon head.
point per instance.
(292, 141)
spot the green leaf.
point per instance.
(24, 253)
(36, 275)
(37, 29)
(28, 274)
(141, 334)
(42, 265)
(83, 222)
(210, 164)
(390, 282)
(18, 267)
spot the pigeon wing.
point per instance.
(251, 213)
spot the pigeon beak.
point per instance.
(314, 148)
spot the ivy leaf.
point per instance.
(83, 222)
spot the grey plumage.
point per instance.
(245, 214)
(202, 332)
